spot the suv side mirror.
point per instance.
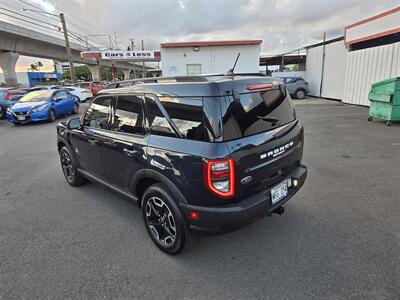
(74, 123)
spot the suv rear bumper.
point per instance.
(227, 218)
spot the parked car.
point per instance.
(203, 157)
(297, 86)
(8, 97)
(43, 105)
(93, 86)
(82, 94)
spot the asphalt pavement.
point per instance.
(338, 239)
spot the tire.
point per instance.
(3, 113)
(70, 172)
(76, 109)
(389, 123)
(369, 119)
(300, 94)
(164, 222)
(51, 115)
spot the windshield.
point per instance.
(36, 96)
(257, 112)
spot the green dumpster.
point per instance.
(385, 100)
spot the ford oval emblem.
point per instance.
(246, 180)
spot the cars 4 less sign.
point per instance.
(128, 55)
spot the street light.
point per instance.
(64, 28)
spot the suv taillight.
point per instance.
(219, 177)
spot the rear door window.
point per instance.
(158, 123)
(187, 115)
(257, 112)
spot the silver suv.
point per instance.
(296, 86)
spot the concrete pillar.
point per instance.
(93, 70)
(126, 74)
(7, 64)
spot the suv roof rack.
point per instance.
(195, 78)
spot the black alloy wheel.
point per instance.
(52, 115)
(68, 168)
(161, 221)
(164, 222)
(72, 176)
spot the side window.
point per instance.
(61, 95)
(97, 114)
(193, 69)
(129, 117)
(187, 115)
(124, 84)
(158, 124)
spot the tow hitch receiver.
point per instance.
(280, 210)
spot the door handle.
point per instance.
(92, 142)
(129, 152)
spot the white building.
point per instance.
(368, 52)
(192, 58)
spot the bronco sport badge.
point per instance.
(277, 151)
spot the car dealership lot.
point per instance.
(339, 237)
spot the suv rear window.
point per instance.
(257, 112)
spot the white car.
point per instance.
(82, 94)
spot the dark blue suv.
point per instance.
(199, 155)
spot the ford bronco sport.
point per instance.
(199, 155)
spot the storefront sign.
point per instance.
(127, 55)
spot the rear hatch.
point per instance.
(263, 135)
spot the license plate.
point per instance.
(21, 118)
(279, 192)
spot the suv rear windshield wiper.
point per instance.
(269, 119)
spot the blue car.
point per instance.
(43, 105)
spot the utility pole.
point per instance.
(143, 62)
(133, 62)
(322, 66)
(69, 54)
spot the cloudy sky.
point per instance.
(282, 25)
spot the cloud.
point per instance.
(283, 25)
(46, 5)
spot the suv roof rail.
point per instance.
(237, 74)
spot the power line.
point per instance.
(40, 25)
(76, 36)
(36, 7)
(85, 22)
(98, 40)
(80, 28)
(80, 39)
(14, 12)
(44, 14)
